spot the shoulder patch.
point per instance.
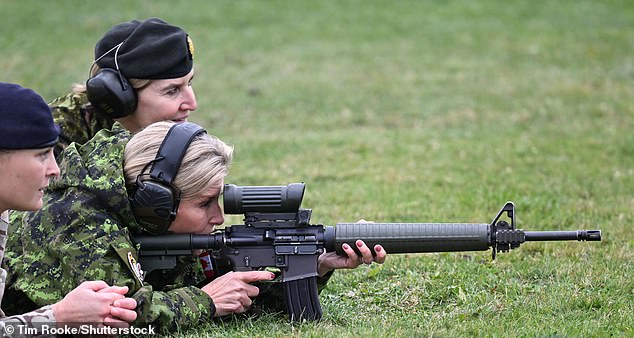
(135, 267)
(127, 255)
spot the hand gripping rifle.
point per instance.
(277, 233)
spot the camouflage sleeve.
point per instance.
(77, 123)
(98, 248)
(42, 315)
(167, 307)
(13, 245)
(179, 308)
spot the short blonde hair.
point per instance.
(205, 164)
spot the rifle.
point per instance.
(277, 233)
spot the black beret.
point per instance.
(149, 49)
(27, 122)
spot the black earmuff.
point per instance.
(111, 94)
(155, 200)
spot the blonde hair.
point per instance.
(137, 84)
(205, 164)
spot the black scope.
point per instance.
(243, 199)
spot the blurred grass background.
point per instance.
(408, 111)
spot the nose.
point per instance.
(52, 168)
(217, 215)
(189, 99)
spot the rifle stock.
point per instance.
(277, 233)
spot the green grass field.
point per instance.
(409, 111)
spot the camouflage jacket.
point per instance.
(83, 233)
(44, 314)
(78, 123)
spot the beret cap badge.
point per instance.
(190, 47)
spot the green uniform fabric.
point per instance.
(44, 314)
(83, 233)
(78, 123)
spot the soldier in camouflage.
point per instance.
(88, 219)
(142, 73)
(85, 227)
(27, 164)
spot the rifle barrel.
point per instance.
(577, 235)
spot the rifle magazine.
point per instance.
(302, 299)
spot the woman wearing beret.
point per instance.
(90, 216)
(135, 83)
(27, 136)
(142, 73)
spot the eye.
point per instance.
(206, 202)
(172, 91)
(43, 155)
